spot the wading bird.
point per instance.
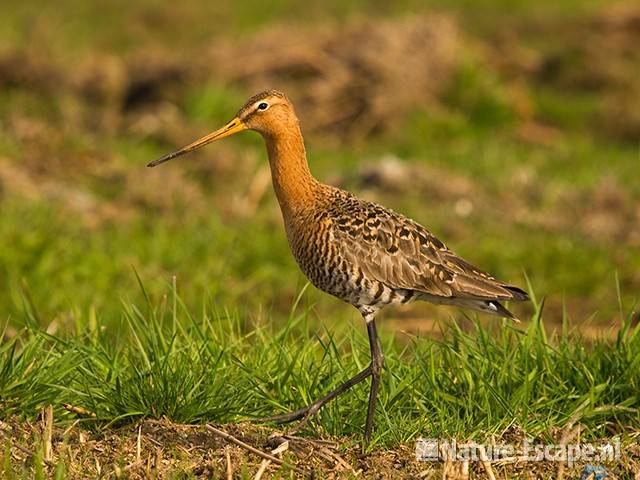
(361, 252)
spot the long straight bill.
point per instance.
(234, 126)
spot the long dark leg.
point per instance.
(377, 362)
(312, 409)
(374, 369)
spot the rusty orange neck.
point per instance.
(292, 181)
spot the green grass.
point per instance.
(165, 361)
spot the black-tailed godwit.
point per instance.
(361, 252)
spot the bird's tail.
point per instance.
(493, 306)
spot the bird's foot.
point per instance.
(288, 417)
(309, 411)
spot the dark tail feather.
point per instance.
(518, 294)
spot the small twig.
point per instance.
(78, 410)
(138, 443)
(486, 463)
(489, 470)
(70, 427)
(315, 442)
(153, 440)
(229, 466)
(326, 456)
(158, 463)
(338, 459)
(148, 467)
(246, 446)
(321, 448)
(190, 449)
(263, 467)
(284, 446)
(48, 432)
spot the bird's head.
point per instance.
(266, 113)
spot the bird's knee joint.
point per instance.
(377, 364)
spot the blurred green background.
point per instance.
(509, 128)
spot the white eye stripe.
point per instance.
(262, 106)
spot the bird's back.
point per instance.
(371, 256)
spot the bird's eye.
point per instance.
(263, 106)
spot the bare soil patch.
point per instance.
(161, 449)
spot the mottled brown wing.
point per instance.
(402, 254)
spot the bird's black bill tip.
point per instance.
(160, 160)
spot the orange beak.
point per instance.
(234, 126)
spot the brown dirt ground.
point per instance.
(160, 449)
